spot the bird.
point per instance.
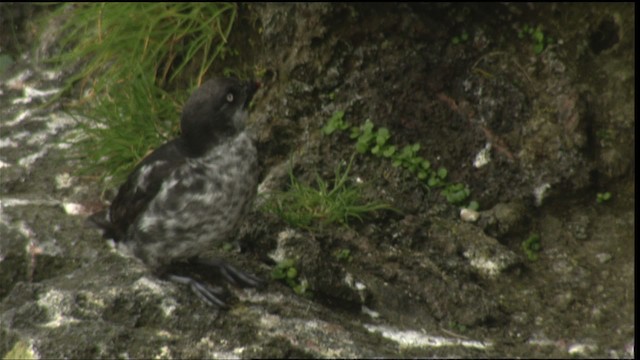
(189, 195)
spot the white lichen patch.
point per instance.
(7, 143)
(146, 284)
(371, 313)
(485, 265)
(56, 303)
(19, 118)
(23, 100)
(63, 181)
(412, 338)
(279, 254)
(469, 215)
(51, 74)
(54, 124)
(483, 157)
(73, 208)
(539, 193)
(59, 121)
(17, 81)
(30, 92)
(168, 305)
(581, 349)
(25, 230)
(29, 160)
(164, 353)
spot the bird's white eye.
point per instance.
(230, 97)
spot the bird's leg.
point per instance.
(232, 274)
(198, 275)
(213, 296)
(185, 273)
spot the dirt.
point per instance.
(561, 127)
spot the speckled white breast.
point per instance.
(199, 205)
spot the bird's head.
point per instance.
(217, 110)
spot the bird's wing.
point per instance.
(142, 186)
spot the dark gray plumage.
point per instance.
(189, 195)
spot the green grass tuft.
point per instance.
(112, 42)
(313, 208)
(124, 57)
(125, 126)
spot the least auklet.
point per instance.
(189, 194)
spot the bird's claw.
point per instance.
(211, 295)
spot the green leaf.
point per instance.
(292, 273)
(538, 48)
(336, 122)
(367, 128)
(456, 193)
(355, 132)
(473, 205)
(442, 173)
(389, 151)
(538, 36)
(382, 136)
(328, 129)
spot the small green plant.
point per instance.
(342, 255)
(309, 207)
(286, 271)
(336, 122)
(414, 163)
(376, 141)
(227, 247)
(603, 197)
(456, 193)
(540, 41)
(532, 247)
(460, 39)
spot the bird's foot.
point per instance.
(212, 295)
(200, 274)
(232, 274)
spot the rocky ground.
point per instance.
(420, 282)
